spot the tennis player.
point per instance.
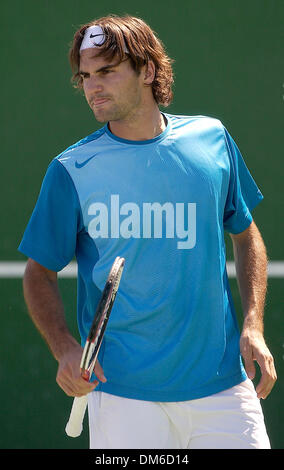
(159, 190)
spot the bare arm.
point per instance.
(47, 312)
(251, 268)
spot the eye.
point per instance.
(105, 72)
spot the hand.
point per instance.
(253, 348)
(69, 374)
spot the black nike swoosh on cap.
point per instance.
(95, 35)
(80, 165)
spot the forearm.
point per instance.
(47, 312)
(251, 270)
(251, 267)
(46, 309)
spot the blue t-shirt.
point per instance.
(162, 204)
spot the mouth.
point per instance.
(99, 102)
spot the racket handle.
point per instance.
(75, 424)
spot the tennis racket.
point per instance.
(90, 353)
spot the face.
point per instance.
(114, 92)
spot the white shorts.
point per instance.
(231, 419)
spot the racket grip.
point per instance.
(75, 424)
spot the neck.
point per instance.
(145, 125)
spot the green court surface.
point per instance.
(228, 64)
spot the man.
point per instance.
(159, 190)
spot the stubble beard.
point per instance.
(115, 113)
(119, 111)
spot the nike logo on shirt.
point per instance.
(80, 165)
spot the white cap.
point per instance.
(95, 37)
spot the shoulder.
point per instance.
(82, 146)
(196, 120)
(198, 126)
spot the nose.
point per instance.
(93, 84)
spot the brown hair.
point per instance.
(143, 45)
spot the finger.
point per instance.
(264, 388)
(86, 385)
(66, 388)
(261, 388)
(268, 377)
(99, 372)
(69, 388)
(76, 387)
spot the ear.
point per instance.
(149, 74)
